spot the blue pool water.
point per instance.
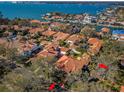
(34, 11)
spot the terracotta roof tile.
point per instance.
(56, 17)
(93, 40)
(64, 49)
(35, 21)
(96, 45)
(2, 41)
(74, 38)
(122, 89)
(69, 64)
(45, 53)
(48, 33)
(34, 30)
(105, 30)
(60, 36)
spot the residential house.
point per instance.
(94, 46)
(26, 47)
(50, 50)
(46, 53)
(53, 46)
(69, 64)
(48, 33)
(105, 30)
(73, 38)
(41, 23)
(118, 35)
(45, 23)
(58, 26)
(35, 30)
(87, 19)
(64, 50)
(60, 36)
(79, 17)
(35, 21)
(57, 17)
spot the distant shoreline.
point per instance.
(34, 10)
(70, 2)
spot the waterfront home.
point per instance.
(87, 19)
(39, 22)
(69, 64)
(95, 45)
(102, 17)
(79, 17)
(118, 35)
(60, 36)
(57, 17)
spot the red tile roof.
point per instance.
(93, 40)
(26, 47)
(48, 33)
(45, 23)
(35, 21)
(56, 17)
(45, 53)
(122, 89)
(74, 38)
(64, 49)
(95, 47)
(69, 64)
(105, 30)
(60, 36)
(34, 30)
(2, 41)
(52, 46)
